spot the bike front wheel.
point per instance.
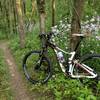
(37, 69)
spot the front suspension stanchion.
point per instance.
(43, 44)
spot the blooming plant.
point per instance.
(62, 29)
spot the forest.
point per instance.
(26, 25)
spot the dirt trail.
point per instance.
(18, 87)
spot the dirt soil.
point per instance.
(18, 86)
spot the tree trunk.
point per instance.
(33, 6)
(53, 12)
(24, 6)
(41, 10)
(7, 19)
(75, 24)
(10, 16)
(14, 16)
(0, 6)
(21, 24)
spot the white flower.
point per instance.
(98, 37)
(60, 21)
(57, 31)
(87, 16)
(65, 26)
(66, 47)
(82, 45)
(62, 25)
(92, 51)
(98, 45)
(92, 20)
(55, 26)
(68, 25)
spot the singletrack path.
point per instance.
(17, 84)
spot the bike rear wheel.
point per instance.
(37, 69)
(92, 61)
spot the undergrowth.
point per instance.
(5, 89)
(58, 87)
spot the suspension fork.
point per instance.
(41, 58)
(43, 39)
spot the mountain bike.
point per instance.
(37, 66)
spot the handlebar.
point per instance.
(46, 36)
(81, 34)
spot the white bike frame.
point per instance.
(71, 66)
(86, 68)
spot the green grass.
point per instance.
(5, 89)
(59, 87)
(2, 36)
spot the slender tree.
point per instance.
(75, 24)
(14, 16)
(21, 24)
(53, 12)
(0, 6)
(41, 10)
(10, 10)
(6, 8)
(33, 6)
(24, 6)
